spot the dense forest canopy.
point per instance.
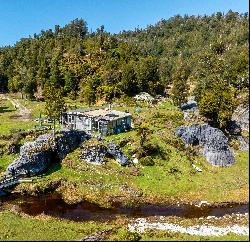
(205, 56)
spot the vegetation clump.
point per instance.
(147, 161)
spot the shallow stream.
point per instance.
(54, 205)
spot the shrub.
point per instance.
(235, 144)
(151, 149)
(147, 161)
(175, 142)
(147, 150)
(125, 235)
(174, 170)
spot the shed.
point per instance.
(103, 121)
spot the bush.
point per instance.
(125, 235)
(235, 144)
(151, 149)
(174, 170)
(147, 161)
(175, 142)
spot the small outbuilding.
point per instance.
(103, 121)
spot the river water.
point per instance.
(54, 205)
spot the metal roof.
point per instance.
(100, 114)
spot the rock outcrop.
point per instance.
(118, 155)
(214, 143)
(190, 110)
(190, 106)
(241, 117)
(35, 157)
(96, 152)
(143, 96)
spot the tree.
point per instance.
(54, 102)
(180, 90)
(143, 132)
(214, 91)
(76, 28)
(217, 104)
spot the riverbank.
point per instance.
(20, 226)
(111, 184)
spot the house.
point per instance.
(103, 121)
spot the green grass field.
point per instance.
(21, 227)
(171, 179)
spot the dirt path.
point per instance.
(24, 113)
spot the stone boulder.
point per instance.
(214, 143)
(95, 151)
(143, 96)
(118, 155)
(189, 106)
(241, 117)
(35, 157)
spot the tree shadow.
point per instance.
(5, 110)
(53, 168)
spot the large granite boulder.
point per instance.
(214, 143)
(35, 157)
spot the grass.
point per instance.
(172, 177)
(171, 236)
(21, 227)
(25, 228)
(8, 120)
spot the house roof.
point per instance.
(101, 114)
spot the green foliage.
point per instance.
(180, 90)
(125, 235)
(206, 53)
(54, 101)
(147, 161)
(143, 132)
(217, 105)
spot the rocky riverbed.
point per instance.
(141, 225)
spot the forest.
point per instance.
(204, 56)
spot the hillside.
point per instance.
(196, 55)
(186, 149)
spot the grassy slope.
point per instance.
(137, 184)
(101, 184)
(7, 123)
